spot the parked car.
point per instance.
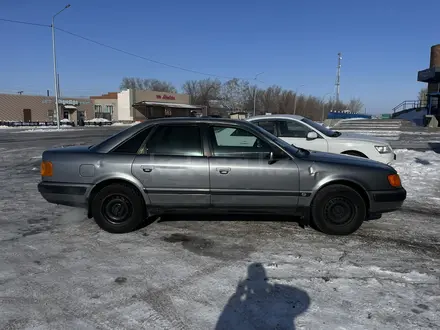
(305, 133)
(176, 165)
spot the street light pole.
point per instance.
(55, 74)
(296, 98)
(255, 92)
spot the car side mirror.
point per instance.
(312, 135)
(274, 156)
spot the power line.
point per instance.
(125, 52)
(145, 58)
(22, 22)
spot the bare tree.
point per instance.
(147, 84)
(128, 83)
(202, 91)
(234, 94)
(238, 94)
(159, 86)
(355, 105)
(423, 97)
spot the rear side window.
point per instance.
(293, 129)
(268, 126)
(132, 145)
(175, 140)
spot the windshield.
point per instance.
(321, 128)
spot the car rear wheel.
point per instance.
(338, 210)
(118, 208)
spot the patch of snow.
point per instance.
(97, 120)
(126, 124)
(9, 127)
(65, 120)
(52, 129)
(351, 119)
(419, 172)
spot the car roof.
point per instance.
(279, 116)
(119, 137)
(182, 120)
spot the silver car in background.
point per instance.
(205, 165)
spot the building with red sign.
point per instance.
(138, 105)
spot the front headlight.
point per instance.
(383, 149)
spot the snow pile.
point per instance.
(97, 120)
(51, 129)
(64, 120)
(8, 127)
(419, 175)
(126, 124)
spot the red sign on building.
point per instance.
(166, 97)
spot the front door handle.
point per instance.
(224, 170)
(146, 169)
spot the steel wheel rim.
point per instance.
(339, 211)
(116, 208)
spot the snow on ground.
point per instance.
(9, 127)
(97, 120)
(419, 173)
(43, 129)
(126, 124)
(66, 273)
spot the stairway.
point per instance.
(373, 125)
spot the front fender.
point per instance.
(314, 181)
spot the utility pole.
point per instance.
(55, 74)
(323, 107)
(255, 92)
(338, 77)
(296, 98)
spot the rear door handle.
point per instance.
(224, 170)
(146, 169)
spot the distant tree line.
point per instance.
(240, 95)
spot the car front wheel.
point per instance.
(118, 208)
(338, 210)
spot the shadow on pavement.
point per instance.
(257, 304)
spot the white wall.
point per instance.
(124, 105)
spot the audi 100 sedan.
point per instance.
(207, 165)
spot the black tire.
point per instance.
(118, 208)
(338, 210)
(354, 153)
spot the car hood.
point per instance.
(361, 137)
(330, 158)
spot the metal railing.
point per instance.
(409, 104)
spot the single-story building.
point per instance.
(127, 106)
(33, 108)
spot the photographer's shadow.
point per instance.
(257, 304)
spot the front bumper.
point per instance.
(64, 194)
(388, 158)
(386, 200)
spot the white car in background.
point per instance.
(307, 134)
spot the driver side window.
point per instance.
(293, 129)
(237, 142)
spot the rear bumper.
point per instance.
(386, 200)
(64, 194)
